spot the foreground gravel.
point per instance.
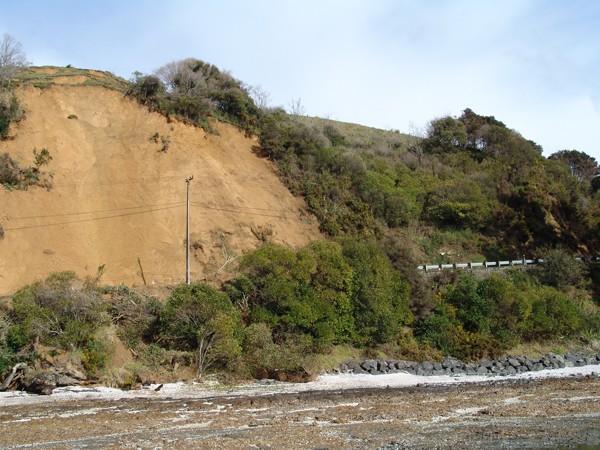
(499, 413)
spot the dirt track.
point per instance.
(502, 414)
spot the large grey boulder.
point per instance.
(42, 384)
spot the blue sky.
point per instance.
(533, 64)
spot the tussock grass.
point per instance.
(535, 349)
(364, 137)
(43, 77)
(317, 363)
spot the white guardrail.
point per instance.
(492, 264)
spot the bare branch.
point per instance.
(296, 107)
(12, 59)
(260, 96)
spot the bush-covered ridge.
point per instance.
(469, 186)
(196, 91)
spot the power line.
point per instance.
(237, 211)
(91, 219)
(95, 211)
(207, 181)
(113, 182)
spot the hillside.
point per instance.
(118, 195)
(94, 170)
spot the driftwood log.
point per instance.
(11, 376)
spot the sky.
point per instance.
(390, 64)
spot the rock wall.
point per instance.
(509, 365)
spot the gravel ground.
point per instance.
(500, 413)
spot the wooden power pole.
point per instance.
(187, 230)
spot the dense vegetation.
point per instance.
(196, 91)
(470, 188)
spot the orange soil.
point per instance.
(119, 201)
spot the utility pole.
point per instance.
(187, 230)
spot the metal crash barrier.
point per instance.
(493, 264)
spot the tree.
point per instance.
(296, 107)
(445, 134)
(560, 268)
(260, 96)
(582, 166)
(12, 59)
(303, 291)
(197, 89)
(200, 319)
(379, 295)
(145, 87)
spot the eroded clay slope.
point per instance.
(118, 199)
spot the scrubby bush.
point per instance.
(145, 88)
(56, 312)
(553, 315)
(93, 357)
(12, 176)
(195, 91)
(560, 268)
(380, 298)
(483, 317)
(10, 111)
(263, 357)
(306, 291)
(135, 315)
(201, 319)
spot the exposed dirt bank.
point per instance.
(119, 195)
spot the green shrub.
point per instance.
(58, 311)
(10, 111)
(436, 329)
(199, 318)
(380, 298)
(444, 331)
(17, 338)
(93, 358)
(306, 290)
(560, 268)
(459, 203)
(553, 315)
(472, 309)
(511, 306)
